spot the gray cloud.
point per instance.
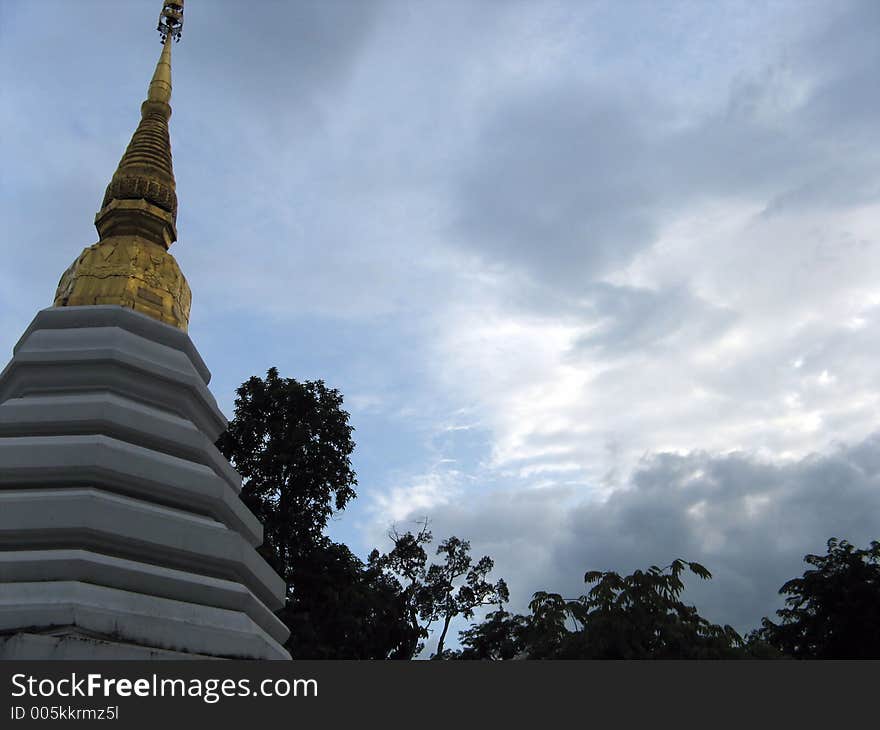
(633, 319)
(571, 179)
(555, 185)
(748, 520)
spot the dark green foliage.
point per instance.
(833, 610)
(546, 630)
(291, 443)
(500, 636)
(641, 616)
(442, 591)
(407, 562)
(344, 609)
(755, 646)
(456, 587)
(638, 616)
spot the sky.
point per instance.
(598, 280)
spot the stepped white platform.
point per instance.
(121, 531)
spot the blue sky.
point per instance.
(596, 279)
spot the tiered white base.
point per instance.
(121, 531)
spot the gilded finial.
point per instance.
(130, 265)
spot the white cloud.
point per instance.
(418, 495)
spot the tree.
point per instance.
(455, 587)
(546, 629)
(441, 591)
(638, 616)
(641, 616)
(344, 609)
(501, 636)
(291, 443)
(833, 610)
(407, 561)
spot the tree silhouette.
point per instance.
(442, 591)
(500, 636)
(456, 587)
(833, 610)
(291, 443)
(638, 616)
(345, 609)
(641, 616)
(407, 562)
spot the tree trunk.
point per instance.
(439, 654)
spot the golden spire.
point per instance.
(145, 173)
(160, 85)
(130, 265)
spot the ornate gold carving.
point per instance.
(127, 186)
(132, 272)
